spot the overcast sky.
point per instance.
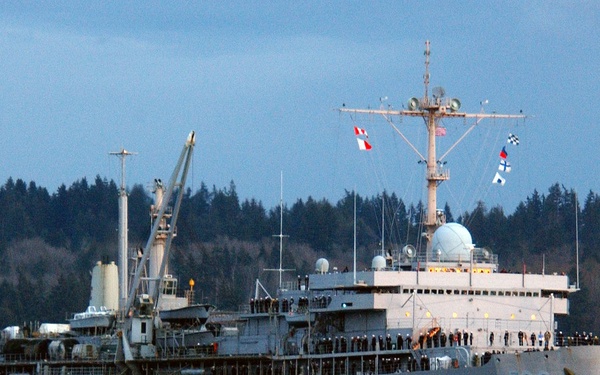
(259, 82)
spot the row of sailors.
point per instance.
(340, 344)
(542, 338)
(437, 339)
(272, 305)
(357, 344)
(577, 339)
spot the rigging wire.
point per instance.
(377, 167)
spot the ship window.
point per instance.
(492, 292)
(478, 292)
(536, 294)
(463, 292)
(485, 292)
(456, 291)
(433, 291)
(500, 293)
(426, 291)
(528, 294)
(143, 328)
(515, 294)
(470, 292)
(448, 291)
(557, 294)
(419, 291)
(521, 294)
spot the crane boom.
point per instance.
(178, 179)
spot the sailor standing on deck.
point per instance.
(399, 342)
(547, 337)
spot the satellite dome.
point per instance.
(322, 266)
(453, 241)
(378, 263)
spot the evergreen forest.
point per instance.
(49, 242)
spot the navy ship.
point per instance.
(445, 307)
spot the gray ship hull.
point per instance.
(577, 360)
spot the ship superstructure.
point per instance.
(447, 307)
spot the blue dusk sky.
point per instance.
(260, 81)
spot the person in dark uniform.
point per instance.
(521, 335)
(451, 338)
(506, 338)
(532, 338)
(443, 339)
(421, 341)
(491, 338)
(399, 342)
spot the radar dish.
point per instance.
(438, 92)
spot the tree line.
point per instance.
(50, 241)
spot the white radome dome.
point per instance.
(322, 266)
(454, 243)
(378, 263)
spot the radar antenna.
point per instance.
(432, 111)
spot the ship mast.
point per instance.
(432, 110)
(281, 236)
(122, 257)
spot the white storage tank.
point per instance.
(105, 286)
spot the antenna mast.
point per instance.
(123, 228)
(426, 75)
(577, 237)
(281, 236)
(432, 111)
